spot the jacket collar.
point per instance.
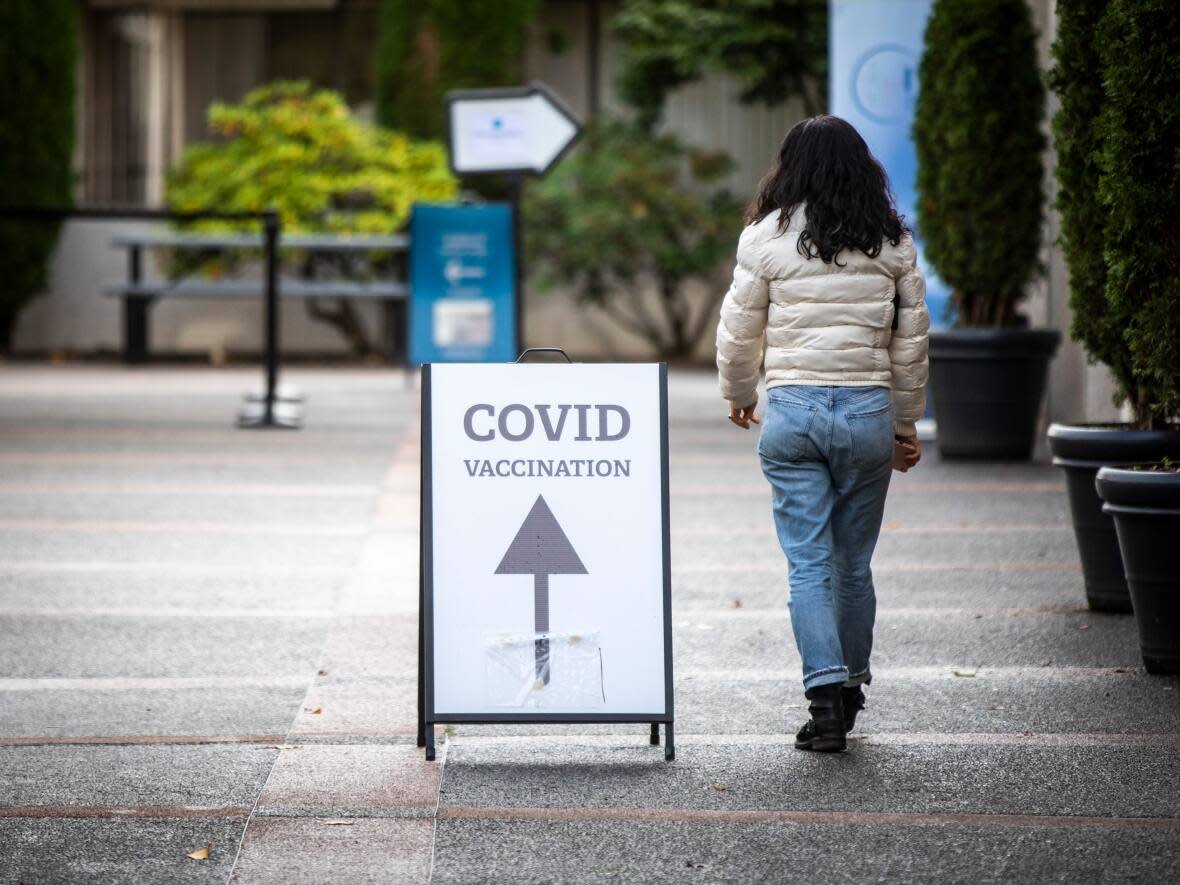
(798, 218)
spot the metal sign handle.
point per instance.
(529, 350)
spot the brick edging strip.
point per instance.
(855, 818)
(115, 811)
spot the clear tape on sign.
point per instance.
(571, 661)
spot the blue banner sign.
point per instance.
(873, 54)
(462, 284)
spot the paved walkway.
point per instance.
(207, 642)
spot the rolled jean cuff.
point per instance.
(826, 676)
(855, 679)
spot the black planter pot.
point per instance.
(1145, 505)
(1080, 450)
(987, 386)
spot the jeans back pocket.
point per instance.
(871, 432)
(786, 426)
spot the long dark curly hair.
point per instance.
(827, 165)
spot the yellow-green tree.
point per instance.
(298, 150)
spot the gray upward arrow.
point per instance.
(541, 549)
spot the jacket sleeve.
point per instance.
(742, 327)
(909, 344)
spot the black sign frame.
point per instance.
(428, 717)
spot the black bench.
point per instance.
(138, 294)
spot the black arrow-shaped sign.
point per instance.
(541, 549)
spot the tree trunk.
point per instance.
(674, 311)
(345, 321)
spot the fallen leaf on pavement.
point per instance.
(338, 823)
(314, 711)
(720, 788)
(967, 674)
(199, 854)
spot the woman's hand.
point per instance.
(743, 416)
(907, 452)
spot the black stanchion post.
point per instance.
(271, 233)
(269, 412)
(135, 308)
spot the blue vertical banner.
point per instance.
(874, 48)
(463, 298)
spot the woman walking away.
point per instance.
(827, 276)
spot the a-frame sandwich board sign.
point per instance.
(545, 588)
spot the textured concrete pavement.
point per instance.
(206, 634)
(207, 641)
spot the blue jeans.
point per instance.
(828, 454)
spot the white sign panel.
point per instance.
(547, 591)
(507, 130)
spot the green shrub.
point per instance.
(38, 55)
(776, 49)
(626, 208)
(299, 151)
(428, 47)
(1077, 79)
(1139, 127)
(979, 147)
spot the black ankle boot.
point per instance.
(854, 702)
(825, 730)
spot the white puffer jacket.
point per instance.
(824, 324)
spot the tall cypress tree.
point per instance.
(1077, 79)
(38, 52)
(977, 133)
(1139, 130)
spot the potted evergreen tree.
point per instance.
(977, 130)
(1140, 176)
(1092, 147)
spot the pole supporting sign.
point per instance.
(545, 560)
